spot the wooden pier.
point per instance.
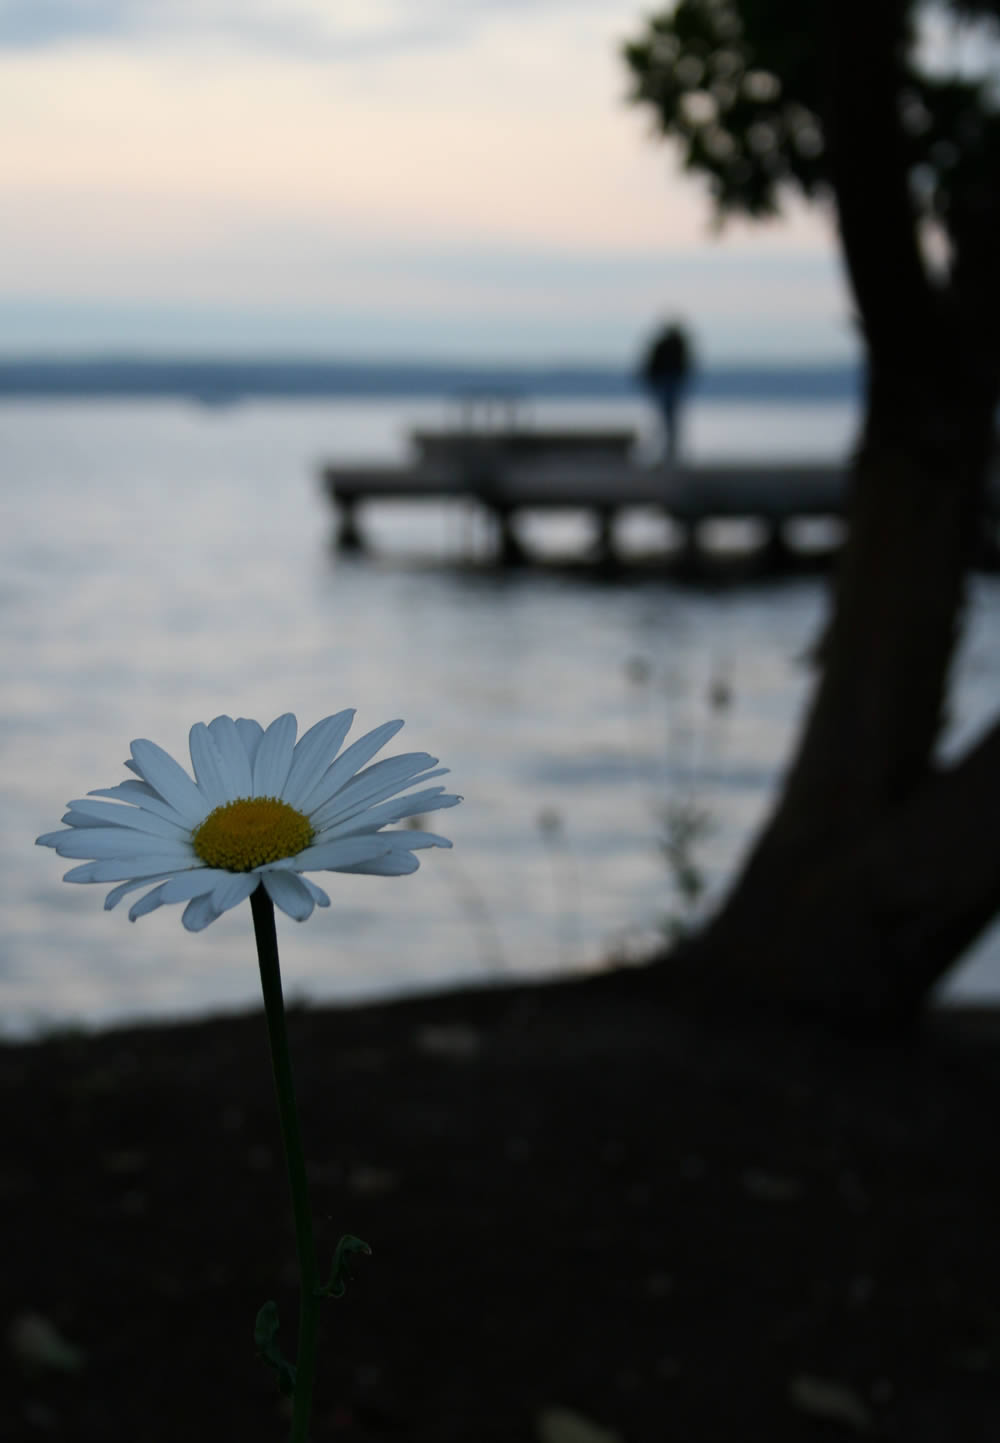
(516, 471)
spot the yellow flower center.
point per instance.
(247, 833)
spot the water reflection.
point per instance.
(163, 564)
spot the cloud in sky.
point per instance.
(470, 179)
(24, 24)
(350, 29)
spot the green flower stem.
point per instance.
(274, 1007)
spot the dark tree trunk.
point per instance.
(876, 869)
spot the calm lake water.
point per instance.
(163, 563)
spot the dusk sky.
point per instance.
(454, 179)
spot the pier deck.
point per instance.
(599, 478)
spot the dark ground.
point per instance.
(576, 1200)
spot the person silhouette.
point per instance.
(665, 371)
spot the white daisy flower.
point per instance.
(262, 809)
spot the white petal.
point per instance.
(87, 873)
(434, 799)
(316, 893)
(143, 795)
(80, 819)
(409, 840)
(348, 763)
(170, 779)
(335, 856)
(391, 769)
(117, 893)
(394, 864)
(208, 765)
(374, 784)
(313, 752)
(378, 813)
(286, 891)
(96, 842)
(130, 790)
(237, 747)
(186, 885)
(118, 869)
(137, 818)
(274, 757)
(149, 903)
(250, 733)
(236, 888)
(198, 913)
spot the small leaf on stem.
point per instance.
(340, 1274)
(264, 1334)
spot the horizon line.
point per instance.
(129, 355)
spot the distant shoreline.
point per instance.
(228, 382)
